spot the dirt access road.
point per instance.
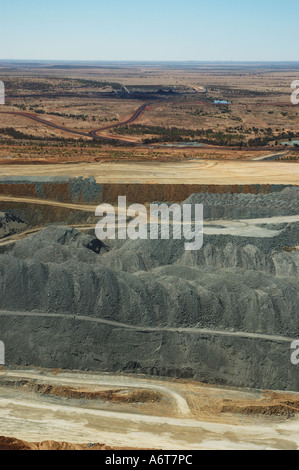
(257, 228)
(101, 132)
(35, 417)
(94, 134)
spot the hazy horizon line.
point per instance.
(150, 61)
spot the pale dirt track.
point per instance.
(191, 172)
(93, 133)
(242, 228)
(38, 418)
(191, 330)
(46, 202)
(180, 403)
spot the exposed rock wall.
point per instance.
(88, 191)
(224, 314)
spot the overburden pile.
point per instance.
(224, 314)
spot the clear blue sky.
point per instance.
(149, 30)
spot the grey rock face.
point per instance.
(224, 314)
(10, 224)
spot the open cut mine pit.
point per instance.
(224, 314)
(142, 337)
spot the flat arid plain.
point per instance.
(138, 343)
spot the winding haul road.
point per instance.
(127, 326)
(35, 418)
(133, 118)
(182, 406)
(93, 133)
